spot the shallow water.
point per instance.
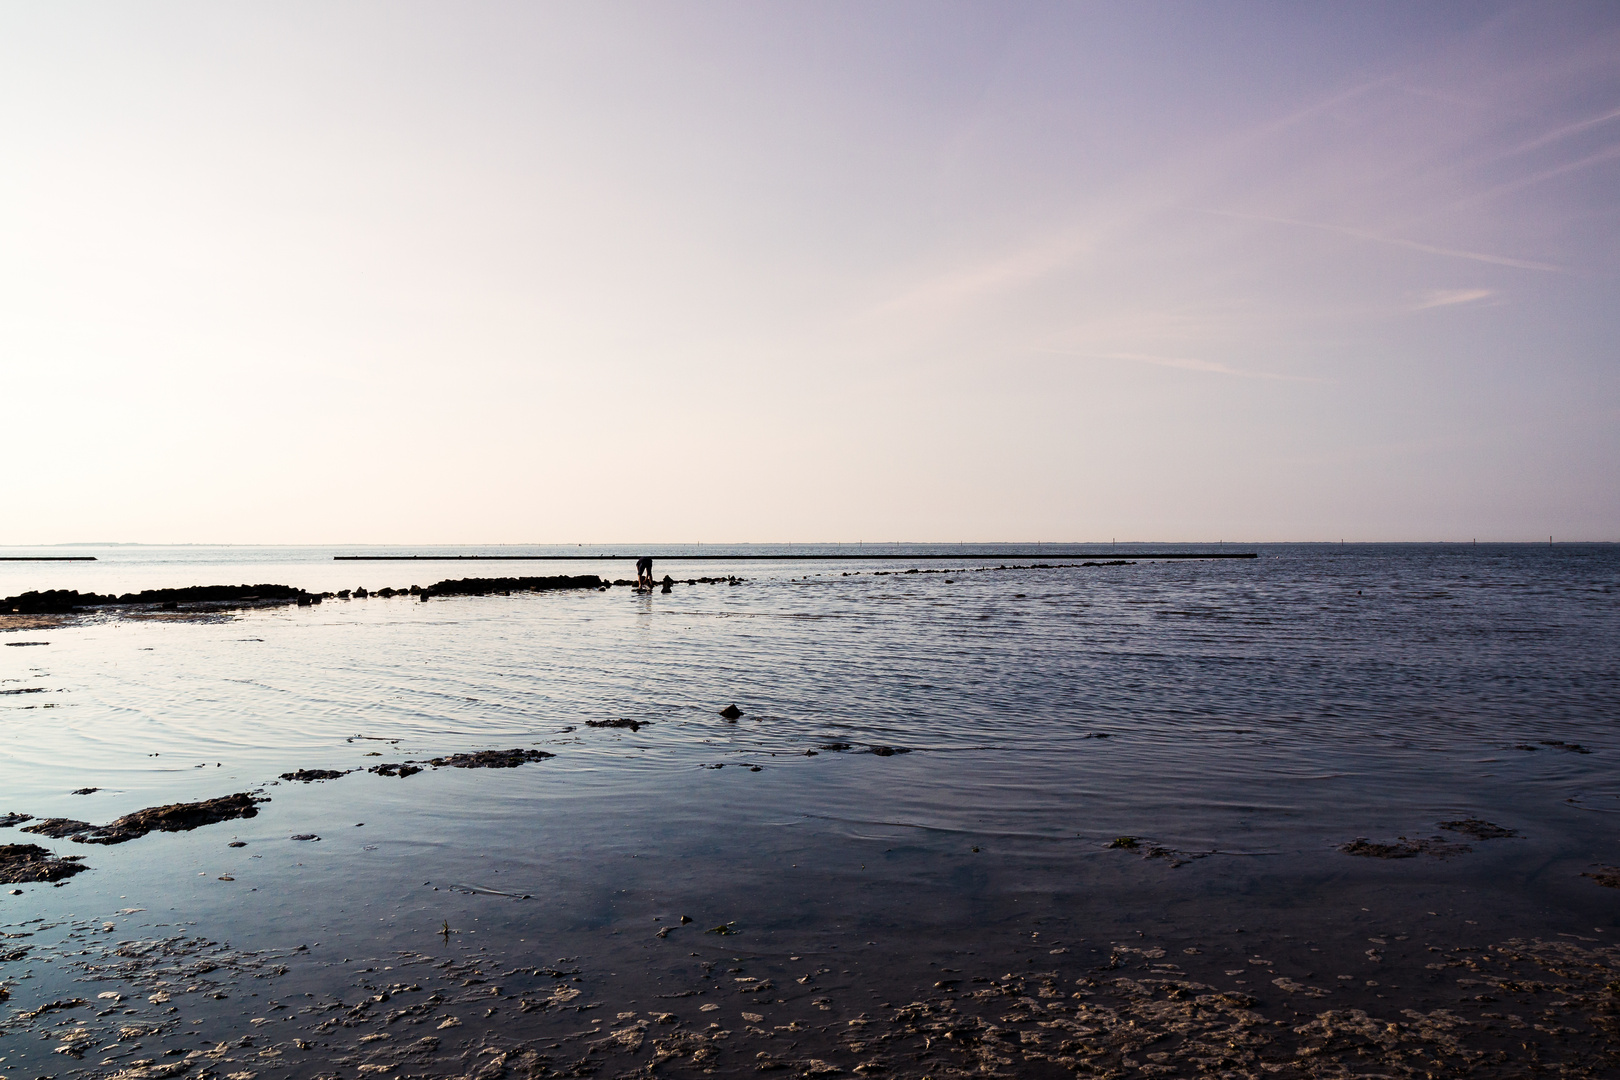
(1241, 719)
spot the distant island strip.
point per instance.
(47, 558)
(893, 557)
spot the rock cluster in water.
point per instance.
(309, 776)
(175, 817)
(21, 863)
(481, 759)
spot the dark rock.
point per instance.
(304, 836)
(1479, 830)
(21, 863)
(731, 712)
(237, 843)
(67, 601)
(8, 820)
(1574, 748)
(1607, 876)
(1369, 850)
(360, 593)
(401, 769)
(888, 751)
(53, 1006)
(307, 776)
(633, 725)
(490, 759)
(175, 817)
(86, 791)
(1173, 857)
(1129, 843)
(836, 747)
(59, 828)
(485, 586)
(1404, 848)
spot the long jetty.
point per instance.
(840, 557)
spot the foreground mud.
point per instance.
(170, 1003)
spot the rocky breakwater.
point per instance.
(505, 586)
(55, 606)
(195, 597)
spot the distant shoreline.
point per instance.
(48, 558)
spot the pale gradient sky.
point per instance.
(519, 272)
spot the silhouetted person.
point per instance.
(644, 578)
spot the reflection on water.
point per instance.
(929, 769)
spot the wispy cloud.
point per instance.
(1547, 174)
(1447, 297)
(1394, 241)
(1564, 131)
(1183, 363)
(999, 274)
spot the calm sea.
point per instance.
(928, 775)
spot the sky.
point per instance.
(477, 272)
